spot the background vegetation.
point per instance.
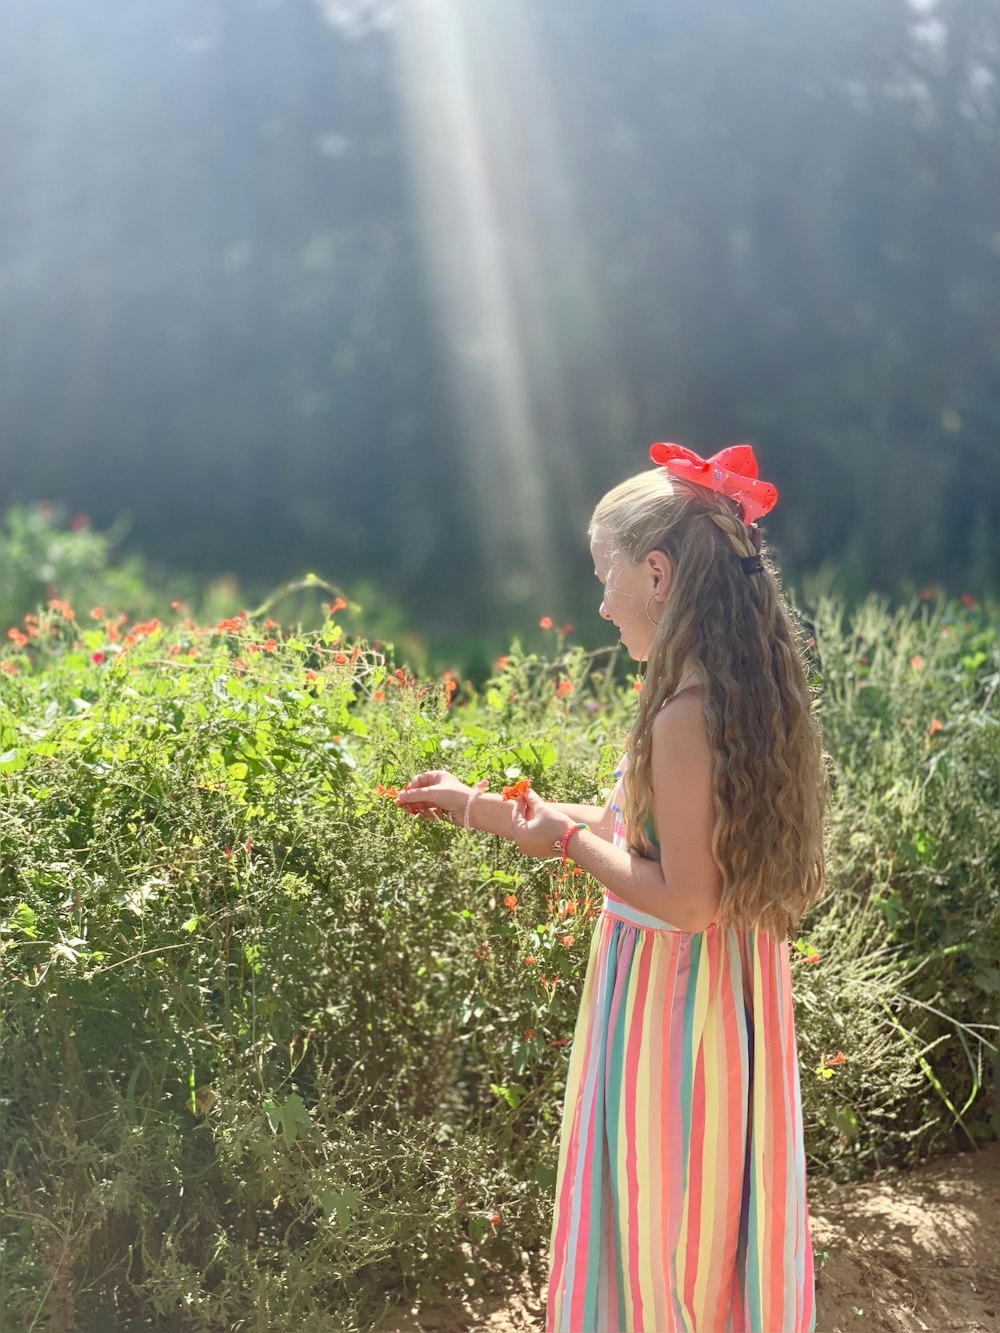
(275, 1055)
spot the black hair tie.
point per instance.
(752, 564)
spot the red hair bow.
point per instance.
(731, 471)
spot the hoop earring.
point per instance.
(648, 616)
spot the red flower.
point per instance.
(97, 657)
(563, 688)
(561, 1041)
(968, 600)
(916, 661)
(510, 902)
(338, 604)
(529, 1033)
(16, 636)
(269, 645)
(529, 961)
(839, 1059)
(545, 622)
(566, 629)
(500, 663)
(567, 940)
(935, 726)
(518, 792)
(10, 668)
(61, 608)
(79, 523)
(495, 1219)
(340, 659)
(378, 695)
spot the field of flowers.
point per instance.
(277, 1056)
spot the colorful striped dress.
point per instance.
(681, 1192)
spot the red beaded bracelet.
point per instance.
(562, 844)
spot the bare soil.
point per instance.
(901, 1253)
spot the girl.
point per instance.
(681, 1193)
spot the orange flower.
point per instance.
(916, 661)
(567, 940)
(968, 600)
(510, 902)
(545, 622)
(566, 629)
(569, 909)
(529, 961)
(561, 1041)
(240, 665)
(16, 636)
(839, 1059)
(378, 695)
(61, 608)
(340, 659)
(637, 687)
(269, 645)
(232, 624)
(935, 726)
(563, 688)
(529, 1033)
(811, 957)
(98, 613)
(519, 790)
(386, 791)
(338, 604)
(500, 663)
(270, 624)
(177, 604)
(495, 1219)
(312, 675)
(10, 668)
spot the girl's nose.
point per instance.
(604, 611)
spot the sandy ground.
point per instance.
(898, 1254)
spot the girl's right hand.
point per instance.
(435, 794)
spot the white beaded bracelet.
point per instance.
(479, 788)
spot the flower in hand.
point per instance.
(535, 825)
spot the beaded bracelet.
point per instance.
(563, 842)
(479, 788)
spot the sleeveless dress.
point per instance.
(681, 1190)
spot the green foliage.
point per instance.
(275, 1055)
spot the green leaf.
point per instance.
(288, 1118)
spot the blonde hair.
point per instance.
(742, 634)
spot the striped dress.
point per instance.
(681, 1191)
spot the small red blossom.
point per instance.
(97, 657)
(270, 624)
(482, 951)
(79, 523)
(563, 688)
(969, 601)
(231, 624)
(546, 622)
(637, 687)
(240, 665)
(338, 604)
(386, 791)
(926, 594)
(561, 1041)
(518, 791)
(340, 658)
(378, 695)
(495, 1219)
(176, 604)
(935, 726)
(566, 629)
(510, 902)
(530, 961)
(529, 1034)
(811, 957)
(567, 940)
(61, 608)
(269, 645)
(17, 637)
(311, 675)
(916, 661)
(10, 668)
(500, 663)
(839, 1059)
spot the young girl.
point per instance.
(681, 1193)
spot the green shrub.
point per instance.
(273, 1053)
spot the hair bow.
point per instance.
(731, 472)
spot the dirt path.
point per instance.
(898, 1254)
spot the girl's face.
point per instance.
(628, 588)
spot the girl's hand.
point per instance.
(434, 795)
(535, 826)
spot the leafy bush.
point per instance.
(275, 1055)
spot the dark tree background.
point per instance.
(394, 291)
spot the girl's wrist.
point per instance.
(477, 790)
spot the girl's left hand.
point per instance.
(535, 833)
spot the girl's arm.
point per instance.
(493, 814)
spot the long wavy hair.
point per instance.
(770, 771)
